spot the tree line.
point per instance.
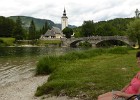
(113, 27)
(9, 28)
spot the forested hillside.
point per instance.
(112, 27)
(39, 23)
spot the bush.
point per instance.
(1, 43)
(118, 50)
(7, 41)
(85, 44)
(46, 65)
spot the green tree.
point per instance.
(77, 32)
(46, 27)
(32, 31)
(133, 28)
(120, 24)
(6, 27)
(68, 32)
(116, 26)
(88, 28)
(106, 30)
(18, 32)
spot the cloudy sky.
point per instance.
(77, 10)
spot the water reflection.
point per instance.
(31, 51)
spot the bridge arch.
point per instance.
(111, 42)
(73, 44)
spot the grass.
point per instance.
(48, 64)
(46, 42)
(39, 42)
(90, 73)
(7, 41)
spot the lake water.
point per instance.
(17, 63)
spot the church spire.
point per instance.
(64, 13)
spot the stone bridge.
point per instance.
(94, 40)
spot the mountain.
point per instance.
(70, 26)
(38, 22)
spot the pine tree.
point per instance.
(6, 27)
(18, 32)
(46, 26)
(32, 31)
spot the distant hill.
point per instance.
(38, 22)
(70, 26)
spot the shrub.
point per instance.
(47, 64)
(7, 41)
(118, 50)
(85, 44)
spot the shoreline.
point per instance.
(25, 90)
(22, 90)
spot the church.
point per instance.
(56, 33)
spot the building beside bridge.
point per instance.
(54, 33)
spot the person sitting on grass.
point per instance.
(129, 90)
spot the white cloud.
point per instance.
(77, 10)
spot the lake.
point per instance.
(18, 63)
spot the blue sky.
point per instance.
(77, 10)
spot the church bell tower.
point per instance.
(137, 12)
(64, 20)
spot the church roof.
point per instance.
(56, 30)
(49, 33)
(53, 31)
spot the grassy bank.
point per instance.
(87, 74)
(7, 41)
(39, 42)
(48, 42)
